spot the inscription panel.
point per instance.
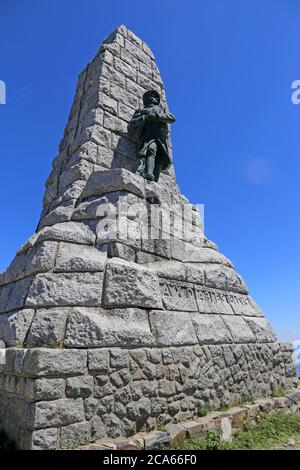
(178, 296)
(189, 297)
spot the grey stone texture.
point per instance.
(121, 324)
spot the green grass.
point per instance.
(270, 431)
(202, 410)
(279, 392)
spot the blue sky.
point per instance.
(228, 66)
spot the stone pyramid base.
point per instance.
(109, 335)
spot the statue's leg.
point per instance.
(150, 161)
(157, 170)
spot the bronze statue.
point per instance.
(150, 126)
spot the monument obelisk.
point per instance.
(110, 330)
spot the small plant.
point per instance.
(224, 407)
(202, 410)
(244, 399)
(279, 392)
(162, 428)
(212, 440)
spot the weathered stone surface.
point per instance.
(45, 439)
(244, 305)
(129, 284)
(156, 439)
(120, 250)
(74, 232)
(79, 171)
(226, 430)
(192, 254)
(98, 360)
(210, 329)
(14, 326)
(261, 329)
(172, 328)
(74, 435)
(212, 301)
(54, 362)
(48, 389)
(47, 328)
(12, 296)
(192, 427)
(65, 290)
(224, 278)
(79, 386)
(76, 258)
(96, 327)
(58, 412)
(178, 295)
(239, 329)
(117, 179)
(61, 214)
(177, 432)
(37, 259)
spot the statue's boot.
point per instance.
(150, 165)
(157, 170)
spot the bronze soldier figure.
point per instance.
(150, 126)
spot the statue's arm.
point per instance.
(136, 120)
(166, 117)
(170, 118)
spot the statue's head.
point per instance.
(151, 97)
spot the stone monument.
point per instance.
(109, 329)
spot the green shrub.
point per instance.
(202, 410)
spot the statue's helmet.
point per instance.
(148, 94)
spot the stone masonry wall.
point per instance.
(52, 399)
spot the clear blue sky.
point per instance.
(228, 66)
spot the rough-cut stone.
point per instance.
(13, 296)
(65, 289)
(210, 329)
(47, 328)
(226, 430)
(74, 232)
(224, 278)
(72, 257)
(54, 362)
(177, 432)
(92, 328)
(98, 360)
(37, 259)
(14, 326)
(48, 389)
(74, 435)
(178, 295)
(240, 331)
(172, 328)
(58, 412)
(45, 439)
(261, 329)
(156, 439)
(119, 179)
(79, 386)
(129, 284)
